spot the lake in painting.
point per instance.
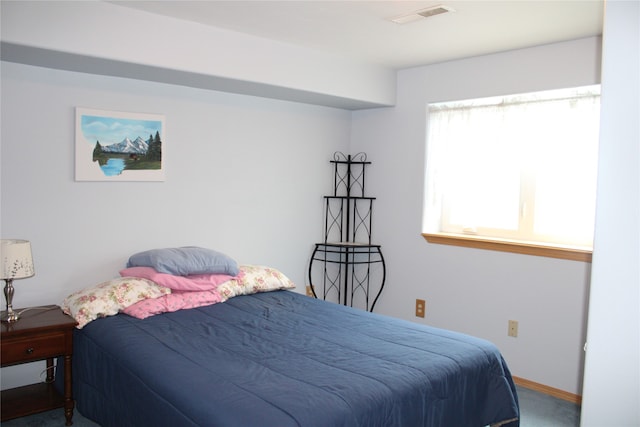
(113, 167)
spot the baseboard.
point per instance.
(555, 392)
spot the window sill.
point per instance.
(561, 252)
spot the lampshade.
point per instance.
(15, 259)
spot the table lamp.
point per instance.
(16, 262)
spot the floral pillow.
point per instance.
(253, 279)
(108, 298)
(231, 289)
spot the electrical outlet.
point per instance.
(420, 307)
(513, 328)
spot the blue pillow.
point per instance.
(185, 261)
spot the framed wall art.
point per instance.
(119, 146)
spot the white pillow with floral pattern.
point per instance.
(253, 279)
(108, 298)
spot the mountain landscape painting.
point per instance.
(118, 146)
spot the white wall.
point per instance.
(88, 36)
(471, 290)
(245, 176)
(612, 371)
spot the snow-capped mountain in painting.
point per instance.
(137, 146)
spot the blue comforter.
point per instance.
(281, 359)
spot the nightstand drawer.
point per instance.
(32, 348)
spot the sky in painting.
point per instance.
(112, 130)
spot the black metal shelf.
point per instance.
(350, 197)
(350, 269)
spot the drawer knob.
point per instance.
(29, 350)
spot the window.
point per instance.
(519, 168)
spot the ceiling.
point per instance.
(362, 30)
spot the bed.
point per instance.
(283, 359)
(261, 355)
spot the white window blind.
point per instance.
(519, 167)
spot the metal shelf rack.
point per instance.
(347, 267)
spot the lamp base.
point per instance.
(9, 316)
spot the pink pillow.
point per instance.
(196, 282)
(175, 301)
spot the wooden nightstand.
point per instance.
(39, 334)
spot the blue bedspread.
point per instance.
(281, 359)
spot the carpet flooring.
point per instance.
(536, 410)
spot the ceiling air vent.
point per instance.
(422, 13)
